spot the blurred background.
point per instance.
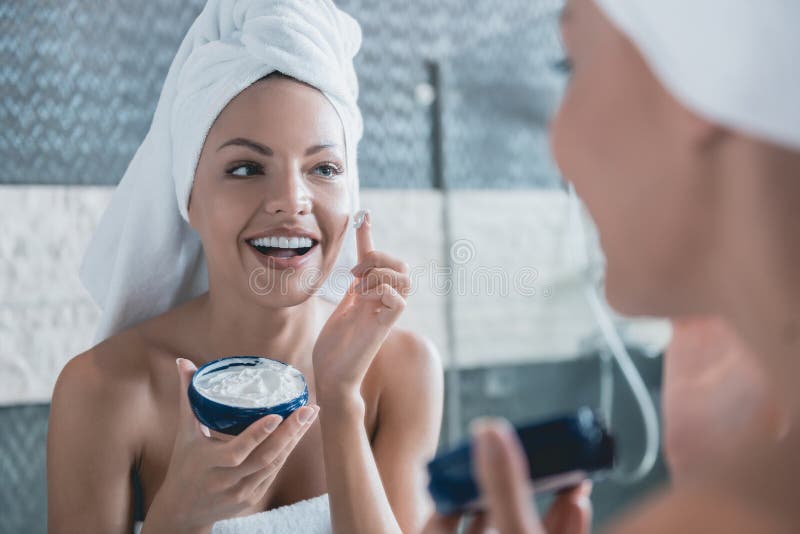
(454, 165)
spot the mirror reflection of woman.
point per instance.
(277, 161)
(680, 130)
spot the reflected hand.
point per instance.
(501, 472)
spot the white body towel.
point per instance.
(311, 516)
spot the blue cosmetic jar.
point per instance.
(230, 419)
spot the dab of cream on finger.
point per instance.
(358, 218)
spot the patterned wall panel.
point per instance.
(23, 484)
(498, 97)
(80, 80)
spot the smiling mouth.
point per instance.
(283, 247)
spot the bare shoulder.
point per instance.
(700, 510)
(106, 381)
(117, 359)
(94, 438)
(407, 373)
(407, 356)
(126, 366)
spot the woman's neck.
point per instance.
(233, 326)
(760, 284)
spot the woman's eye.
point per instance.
(237, 170)
(327, 170)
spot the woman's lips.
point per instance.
(283, 258)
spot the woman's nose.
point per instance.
(287, 194)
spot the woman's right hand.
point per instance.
(210, 479)
(501, 469)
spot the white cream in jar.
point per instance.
(267, 383)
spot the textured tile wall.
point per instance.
(23, 490)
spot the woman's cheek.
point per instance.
(332, 207)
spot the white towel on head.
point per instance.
(733, 62)
(144, 258)
(311, 516)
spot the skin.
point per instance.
(695, 220)
(121, 404)
(714, 395)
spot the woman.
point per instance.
(680, 130)
(278, 160)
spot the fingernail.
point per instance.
(305, 415)
(272, 424)
(178, 362)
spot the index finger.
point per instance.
(363, 225)
(502, 477)
(571, 511)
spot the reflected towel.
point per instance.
(733, 62)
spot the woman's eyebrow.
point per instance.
(323, 146)
(253, 145)
(267, 151)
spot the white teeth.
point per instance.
(283, 242)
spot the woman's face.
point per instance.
(272, 166)
(636, 158)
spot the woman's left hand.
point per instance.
(358, 327)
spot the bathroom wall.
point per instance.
(454, 165)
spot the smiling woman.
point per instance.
(272, 193)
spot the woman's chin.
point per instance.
(285, 297)
(285, 287)
(626, 299)
(632, 300)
